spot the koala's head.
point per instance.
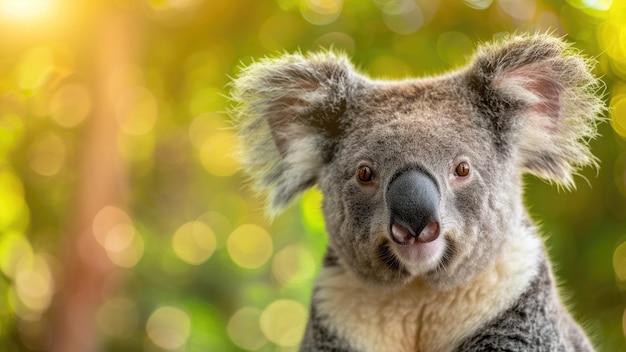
(421, 178)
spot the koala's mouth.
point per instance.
(418, 252)
(387, 256)
(413, 256)
(404, 236)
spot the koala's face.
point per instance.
(421, 178)
(414, 184)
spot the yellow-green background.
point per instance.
(117, 180)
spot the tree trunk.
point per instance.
(101, 181)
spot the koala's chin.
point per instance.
(433, 263)
(416, 258)
(392, 264)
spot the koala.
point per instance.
(430, 245)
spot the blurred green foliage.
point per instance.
(120, 200)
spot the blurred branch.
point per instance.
(88, 272)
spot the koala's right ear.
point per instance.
(288, 114)
(541, 98)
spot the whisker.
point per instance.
(388, 257)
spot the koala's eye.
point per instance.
(365, 174)
(462, 170)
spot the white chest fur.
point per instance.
(419, 317)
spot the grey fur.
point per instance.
(525, 103)
(536, 322)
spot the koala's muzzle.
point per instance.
(413, 201)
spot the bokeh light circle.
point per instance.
(14, 248)
(294, 266)
(47, 154)
(244, 329)
(204, 126)
(478, 4)
(217, 154)
(168, 327)
(136, 111)
(403, 16)
(34, 283)
(106, 219)
(115, 232)
(194, 242)
(124, 245)
(249, 246)
(624, 322)
(618, 114)
(619, 262)
(321, 12)
(283, 322)
(70, 105)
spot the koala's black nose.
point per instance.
(413, 201)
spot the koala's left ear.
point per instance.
(288, 113)
(541, 100)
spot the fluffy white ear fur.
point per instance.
(558, 102)
(287, 112)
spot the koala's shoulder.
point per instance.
(321, 338)
(533, 323)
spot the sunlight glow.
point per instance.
(602, 5)
(24, 10)
(34, 67)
